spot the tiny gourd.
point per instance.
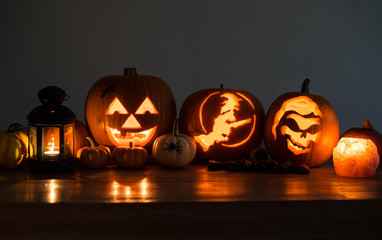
(358, 152)
(129, 156)
(93, 157)
(174, 150)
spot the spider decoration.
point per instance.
(171, 147)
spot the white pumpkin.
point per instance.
(174, 150)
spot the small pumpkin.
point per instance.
(93, 157)
(121, 107)
(174, 150)
(301, 127)
(225, 123)
(358, 152)
(129, 156)
(14, 146)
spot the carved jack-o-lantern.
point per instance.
(131, 107)
(225, 123)
(302, 128)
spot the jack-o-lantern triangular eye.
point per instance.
(116, 106)
(147, 106)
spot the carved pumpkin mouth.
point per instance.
(122, 139)
(297, 148)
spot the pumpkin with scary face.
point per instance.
(135, 107)
(302, 128)
(225, 123)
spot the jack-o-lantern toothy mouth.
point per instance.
(139, 138)
(295, 147)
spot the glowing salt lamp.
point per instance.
(357, 154)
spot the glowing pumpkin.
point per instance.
(131, 107)
(302, 128)
(225, 123)
(358, 152)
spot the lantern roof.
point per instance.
(51, 111)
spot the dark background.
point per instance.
(266, 47)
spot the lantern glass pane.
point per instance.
(32, 142)
(68, 140)
(50, 143)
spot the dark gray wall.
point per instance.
(266, 47)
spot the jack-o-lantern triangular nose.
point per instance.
(131, 122)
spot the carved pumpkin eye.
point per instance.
(116, 106)
(147, 106)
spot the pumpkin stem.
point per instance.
(221, 86)
(367, 125)
(305, 86)
(175, 130)
(131, 144)
(130, 72)
(92, 144)
(15, 127)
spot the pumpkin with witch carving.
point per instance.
(225, 123)
(301, 127)
(122, 108)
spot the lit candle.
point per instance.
(51, 147)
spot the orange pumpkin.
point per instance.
(80, 136)
(130, 156)
(94, 157)
(301, 127)
(131, 107)
(225, 123)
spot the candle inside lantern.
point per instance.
(52, 148)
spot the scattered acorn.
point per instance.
(258, 161)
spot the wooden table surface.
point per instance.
(189, 203)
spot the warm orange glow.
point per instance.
(52, 148)
(131, 122)
(354, 157)
(131, 192)
(116, 106)
(147, 106)
(140, 138)
(302, 104)
(299, 139)
(224, 123)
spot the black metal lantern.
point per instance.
(54, 125)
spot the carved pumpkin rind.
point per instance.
(318, 121)
(244, 122)
(132, 91)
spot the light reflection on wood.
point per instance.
(194, 183)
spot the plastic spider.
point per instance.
(170, 147)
